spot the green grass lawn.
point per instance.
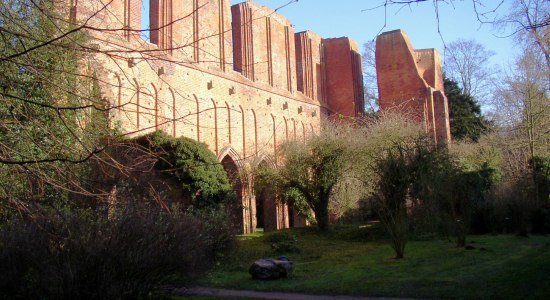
(357, 261)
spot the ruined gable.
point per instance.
(239, 79)
(411, 82)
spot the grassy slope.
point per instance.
(352, 261)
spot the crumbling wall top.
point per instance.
(429, 66)
(260, 11)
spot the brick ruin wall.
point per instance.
(411, 82)
(239, 79)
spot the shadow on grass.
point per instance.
(358, 261)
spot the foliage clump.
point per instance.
(202, 178)
(283, 242)
(308, 173)
(466, 120)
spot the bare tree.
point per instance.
(466, 62)
(524, 103)
(392, 195)
(523, 99)
(524, 17)
(369, 76)
(54, 117)
(523, 95)
(484, 9)
(529, 22)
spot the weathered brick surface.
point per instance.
(242, 40)
(184, 81)
(429, 67)
(344, 77)
(442, 122)
(411, 82)
(310, 65)
(239, 79)
(264, 45)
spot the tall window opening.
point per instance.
(145, 30)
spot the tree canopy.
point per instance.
(466, 119)
(309, 173)
(202, 177)
(466, 63)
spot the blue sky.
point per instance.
(335, 18)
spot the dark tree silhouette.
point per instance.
(464, 113)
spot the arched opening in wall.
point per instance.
(119, 92)
(173, 109)
(303, 132)
(243, 130)
(255, 132)
(295, 219)
(228, 112)
(294, 129)
(145, 30)
(274, 133)
(266, 206)
(138, 104)
(215, 135)
(290, 215)
(286, 129)
(198, 119)
(235, 207)
(155, 105)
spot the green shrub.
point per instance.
(193, 165)
(363, 213)
(283, 242)
(220, 231)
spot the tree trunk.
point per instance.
(322, 217)
(399, 247)
(461, 240)
(460, 228)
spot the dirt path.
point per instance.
(221, 293)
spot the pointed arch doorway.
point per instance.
(269, 213)
(235, 206)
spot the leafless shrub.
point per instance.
(65, 253)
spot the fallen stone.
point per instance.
(265, 269)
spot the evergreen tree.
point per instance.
(465, 113)
(196, 168)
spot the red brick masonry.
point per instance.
(411, 81)
(241, 80)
